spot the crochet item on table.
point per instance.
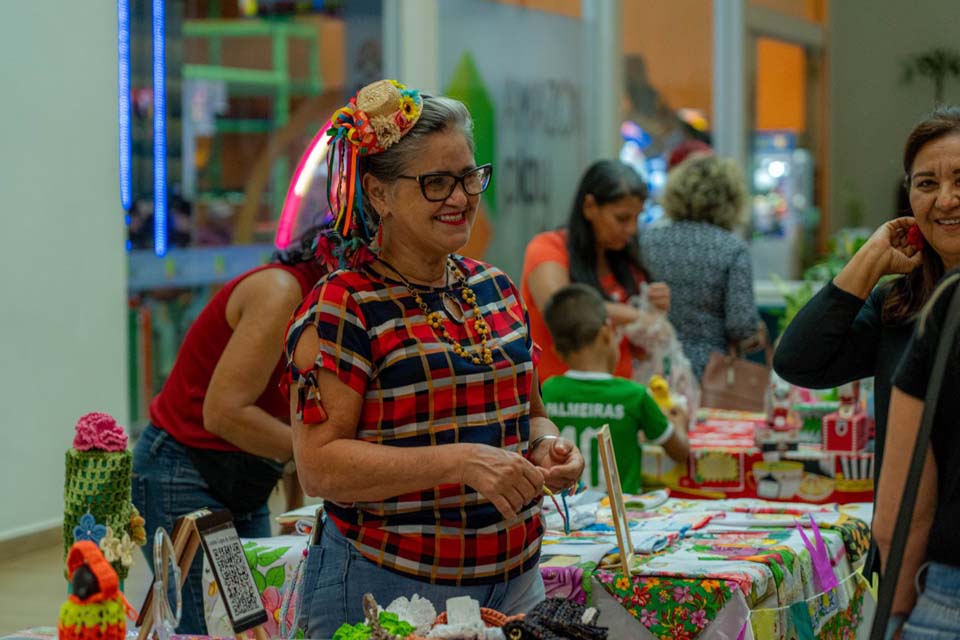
(556, 619)
(95, 609)
(96, 492)
(379, 625)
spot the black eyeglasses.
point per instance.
(437, 187)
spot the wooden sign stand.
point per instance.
(612, 476)
(214, 531)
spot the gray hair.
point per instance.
(438, 114)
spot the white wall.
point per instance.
(871, 112)
(62, 263)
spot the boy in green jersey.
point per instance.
(588, 395)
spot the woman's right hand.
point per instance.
(891, 249)
(886, 252)
(505, 478)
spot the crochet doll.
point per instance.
(96, 609)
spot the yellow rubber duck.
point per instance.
(660, 391)
(670, 476)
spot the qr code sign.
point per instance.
(230, 566)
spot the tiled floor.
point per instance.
(32, 586)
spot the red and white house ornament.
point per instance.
(846, 430)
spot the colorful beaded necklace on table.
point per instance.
(474, 353)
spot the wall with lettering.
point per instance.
(520, 71)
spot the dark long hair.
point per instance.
(304, 250)
(607, 181)
(908, 293)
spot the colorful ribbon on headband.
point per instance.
(374, 120)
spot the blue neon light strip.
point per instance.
(123, 102)
(159, 131)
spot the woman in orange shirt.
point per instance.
(598, 247)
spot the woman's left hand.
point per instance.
(561, 464)
(659, 295)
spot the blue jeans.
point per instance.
(936, 616)
(337, 577)
(166, 486)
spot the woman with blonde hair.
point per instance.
(705, 265)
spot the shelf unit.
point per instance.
(276, 82)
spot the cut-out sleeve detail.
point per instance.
(344, 346)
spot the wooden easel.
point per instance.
(612, 476)
(188, 536)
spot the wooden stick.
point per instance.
(145, 628)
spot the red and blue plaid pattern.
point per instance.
(418, 392)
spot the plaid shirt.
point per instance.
(418, 392)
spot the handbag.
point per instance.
(735, 383)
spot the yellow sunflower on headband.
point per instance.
(409, 107)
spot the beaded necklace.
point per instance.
(475, 353)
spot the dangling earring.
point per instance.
(378, 242)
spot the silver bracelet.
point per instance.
(539, 439)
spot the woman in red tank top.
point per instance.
(219, 433)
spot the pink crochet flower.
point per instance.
(99, 431)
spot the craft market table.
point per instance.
(740, 567)
(701, 569)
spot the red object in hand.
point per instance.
(915, 238)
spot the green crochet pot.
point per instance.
(97, 482)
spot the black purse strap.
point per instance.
(891, 571)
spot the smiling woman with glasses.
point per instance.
(438, 186)
(396, 363)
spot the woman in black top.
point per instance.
(853, 329)
(936, 516)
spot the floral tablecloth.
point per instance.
(748, 551)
